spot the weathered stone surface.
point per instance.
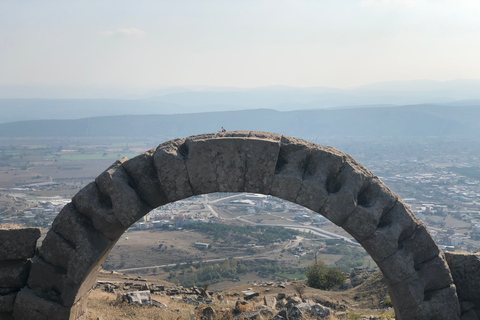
(469, 315)
(282, 315)
(465, 305)
(216, 164)
(209, 313)
(18, 243)
(4, 291)
(323, 165)
(144, 174)
(294, 313)
(169, 159)
(14, 273)
(316, 310)
(74, 244)
(319, 311)
(344, 190)
(53, 283)
(438, 305)
(465, 268)
(139, 297)
(270, 301)
(6, 302)
(427, 278)
(394, 227)
(250, 295)
(90, 202)
(266, 312)
(117, 185)
(372, 203)
(412, 252)
(291, 165)
(262, 157)
(29, 306)
(249, 315)
(6, 316)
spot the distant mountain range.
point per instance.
(45, 102)
(399, 121)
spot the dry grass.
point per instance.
(105, 306)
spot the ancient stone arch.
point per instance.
(320, 178)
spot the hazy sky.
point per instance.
(243, 43)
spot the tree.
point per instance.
(299, 288)
(321, 277)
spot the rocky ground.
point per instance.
(269, 300)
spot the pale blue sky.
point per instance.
(242, 43)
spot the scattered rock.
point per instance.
(247, 295)
(208, 313)
(294, 313)
(319, 311)
(139, 297)
(282, 315)
(249, 315)
(270, 301)
(159, 304)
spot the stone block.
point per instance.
(412, 252)
(143, 172)
(344, 190)
(52, 283)
(169, 159)
(394, 226)
(438, 305)
(90, 202)
(372, 204)
(261, 159)
(18, 243)
(426, 278)
(323, 165)
(77, 256)
(216, 164)
(29, 306)
(116, 184)
(465, 268)
(292, 163)
(6, 302)
(14, 273)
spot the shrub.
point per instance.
(321, 277)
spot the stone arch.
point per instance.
(320, 178)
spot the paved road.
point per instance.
(318, 231)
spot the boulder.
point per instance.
(282, 315)
(208, 313)
(319, 311)
(270, 301)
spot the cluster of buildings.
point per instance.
(41, 215)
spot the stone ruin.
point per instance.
(323, 179)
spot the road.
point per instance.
(320, 232)
(290, 243)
